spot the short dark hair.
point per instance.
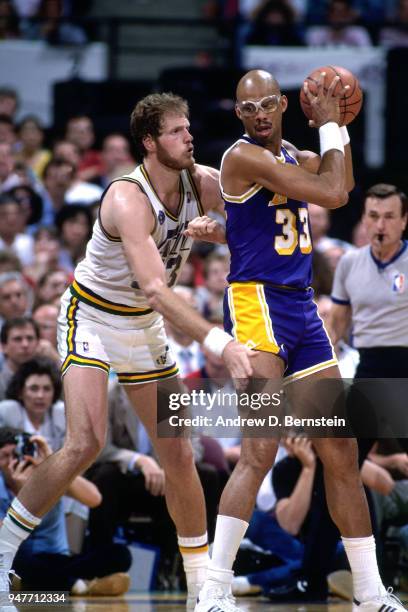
(39, 366)
(385, 190)
(70, 211)
(6, 119)
(58, 162)
(8, 435)
(147, 116)
(16, 323)
(8, 198)
(8, 92)
(30, 119)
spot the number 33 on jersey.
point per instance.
(269, 236)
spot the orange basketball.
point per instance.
(350, 103)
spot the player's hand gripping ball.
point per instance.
(350, 102)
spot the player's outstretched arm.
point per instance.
(131, 216)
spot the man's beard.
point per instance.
(172, 162)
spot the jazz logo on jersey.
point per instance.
(398, 283)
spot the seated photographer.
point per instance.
(42, 561)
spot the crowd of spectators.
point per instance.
(338, 23)
(265, 22)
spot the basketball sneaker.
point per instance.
(217, 598)
(382, 603)
(5, 581)
(192, 595)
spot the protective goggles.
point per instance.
(249, 108)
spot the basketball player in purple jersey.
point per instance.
(266, 184)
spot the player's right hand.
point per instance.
(205, 228)
(237, 358)
(325, 105)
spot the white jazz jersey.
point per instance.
(104, 278)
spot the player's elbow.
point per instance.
(337, 198)
(153, 290)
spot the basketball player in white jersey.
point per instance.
(111, 316)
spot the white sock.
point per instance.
(367, 582)
(228, 536)
(80, 587)
(18, 524)
(194, 551)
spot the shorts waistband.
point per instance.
(273, 286)
(93, 299)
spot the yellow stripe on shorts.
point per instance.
(249, 312)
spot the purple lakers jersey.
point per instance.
(268, 235)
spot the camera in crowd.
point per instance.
(24, 446)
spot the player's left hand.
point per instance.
(207, 229)
(325, 103)
(237, 357)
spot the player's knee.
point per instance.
(341, 457)
(83, 450)
(180, 459)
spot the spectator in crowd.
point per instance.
(12, 229)
(186, 350)
(19, 343)
(31, 205)
(341, 28)
(31, 140)
(9, 262)
(46, 317)
(80, 131)
(8, 176)
(116, 159)
(14, 296)
(396, 34)
(68, 151)
(46, 254)
(331, 248)
(58, 178)
(43, 561)
(275, 24)
(8, 102)
(211, 296)
(7, 130)
(33, 401)
(322, 279)
(51, 286)
(63, 186)
(74, 226)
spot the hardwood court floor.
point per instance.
(136, 602)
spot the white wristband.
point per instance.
(345, 136)
(216, 340)
(330, 138)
